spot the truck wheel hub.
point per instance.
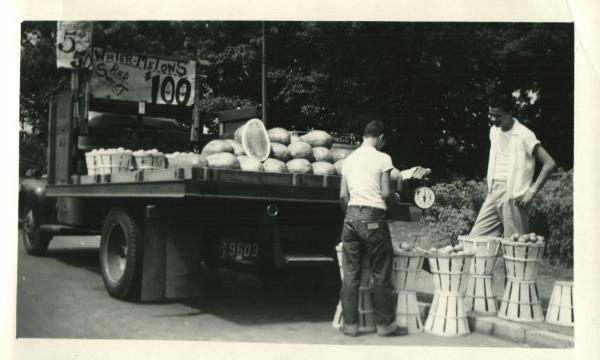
(115, 257)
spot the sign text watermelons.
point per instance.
(119, 75)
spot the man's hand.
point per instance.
(528, 197)
(416, 172)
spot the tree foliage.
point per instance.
(427, 81)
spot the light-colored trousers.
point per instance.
(499, 217)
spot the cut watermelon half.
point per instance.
(255, 140)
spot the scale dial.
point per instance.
(424, 197)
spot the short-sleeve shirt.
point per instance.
(521, 160)
(502, 156)
(363, 169)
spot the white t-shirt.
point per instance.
(502, 156)
(521, 163)
(363, 169)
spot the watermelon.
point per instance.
(339, 154)
(321, 153)
(248, 163)
(196, 160)
(255, 140)
(295, 138)
(338, 166)
(181, 160)
(279, 135)
(322, 168)
(300, 150)
(237, 135)
(318, 138)
(237, 147)
(299, 166)
(279, 151)
(224, 160)
(274, 166)
(216, 146)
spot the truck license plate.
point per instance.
(239, 251)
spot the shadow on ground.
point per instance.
(248, 300)
(87, 259)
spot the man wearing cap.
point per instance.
(514, 152)
(364, 189)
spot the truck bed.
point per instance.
(203, 183)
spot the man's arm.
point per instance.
(385, 185)
(344, 194)
(548, 167)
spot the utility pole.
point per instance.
(264, 75)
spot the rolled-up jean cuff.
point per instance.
(385, 330)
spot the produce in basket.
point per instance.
(274, 166)
(237, 147)
(338, 166)
(299, 166)
(248, 163)
(318, 138)
(216, 146)
(527, 238)
(224, 160)
(300, 150)
(338, 154)
(280, 151)
(407, 249)
(449, 250)
(146, 159)
(322, 168)
(255, 140)
(321, 153)
(279, 135)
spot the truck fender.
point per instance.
(33, 191)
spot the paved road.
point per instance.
(62, 296)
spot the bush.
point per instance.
(552, 215)
(458, 203)
(447, 223)
(460, 194)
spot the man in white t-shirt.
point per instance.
(514, 152)
(364, 189)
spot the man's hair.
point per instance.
(502, 101)
(374, 129)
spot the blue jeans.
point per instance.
(365, 231)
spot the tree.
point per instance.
(428, 81)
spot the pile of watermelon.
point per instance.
(276, 150)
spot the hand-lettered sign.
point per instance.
(127, 76)
(73, 44)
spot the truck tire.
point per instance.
(121, 255)
(35, 241)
